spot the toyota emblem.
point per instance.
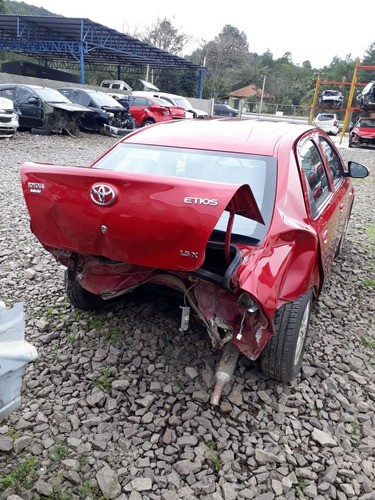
(102, 195)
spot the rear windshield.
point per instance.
(333, 93)
(259, 172)
(326, 117)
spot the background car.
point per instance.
(42, 109)
(149, 110)
(327, 122)
(331, 99)
(362, 133)
(177, 112)
(137, 84)
(105, 114)
(177, 100)
(366, 98)
(8, 118)
(224, 110)
(243, 217)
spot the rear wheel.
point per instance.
(148, 122)
(282, 356)
(79, 297)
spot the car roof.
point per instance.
(228, 134)
(88, 91)
(5, 85)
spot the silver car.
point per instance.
(8, 118)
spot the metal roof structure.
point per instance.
(61, 41)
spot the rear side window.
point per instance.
(140, 101)
(316, 176)
(333, 161)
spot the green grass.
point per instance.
(103, 381)
(371, 232)
(96, 323)
(300, 488)
(178, 383)
(85, 490)
(114, 335)
(22, 476)
(370, 283)
(72, 338)
(369, 343)
(90, 343)
(213, 454)
(59, 452)
(12, 433)
(355, 428)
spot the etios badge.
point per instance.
(102, 195)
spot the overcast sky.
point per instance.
(315, 31)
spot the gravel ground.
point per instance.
(117, 404)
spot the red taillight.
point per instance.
(335, 123)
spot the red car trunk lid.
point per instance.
(147, 220)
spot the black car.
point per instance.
(42, 109)
(107, 116)
(225, 110)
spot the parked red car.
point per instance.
(177, 112)
(362, 133)
(242, 217)
(147, 110)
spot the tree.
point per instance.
(3, 8)
(165, 36)
(225, 54)
(368, 60)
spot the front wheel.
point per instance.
(148, 122)
(282, 356)
(79, 297)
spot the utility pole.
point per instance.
(262, 95)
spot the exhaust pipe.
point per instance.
(225, 370)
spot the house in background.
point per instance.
(247, 98)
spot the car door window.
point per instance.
(333, 161)
(316, 176)
(140, 101)
(23, 96)
(8, 93)
(81, 98)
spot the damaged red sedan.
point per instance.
(243, 217)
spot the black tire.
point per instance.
(81, 298)
(148, 122)
(282, 356)
(40, 131)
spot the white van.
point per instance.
(116, 85)
(137, 84)
(177, 100)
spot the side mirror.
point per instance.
(356, 170)
(33, 100)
